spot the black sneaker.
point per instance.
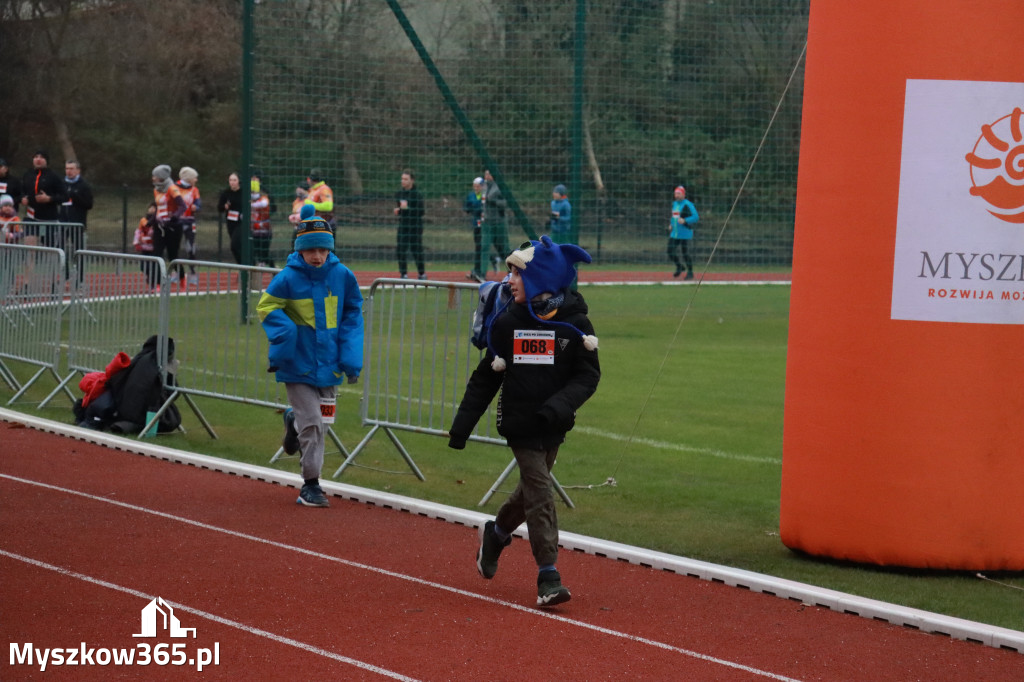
(290, 443)
(679, 271)
(312, 496)
(550, 590)
(689, 274)
(490, 550)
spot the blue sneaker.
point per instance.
(312, 496)
(291, 436)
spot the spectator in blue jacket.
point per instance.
(680, 232)
(561, 213)
(473, 206)
(312, 314)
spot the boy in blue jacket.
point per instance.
(312, 314)
(561, 212)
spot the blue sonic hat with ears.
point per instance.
(546, 268)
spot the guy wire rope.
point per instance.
(718, 239)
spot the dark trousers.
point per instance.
(235, 241)
(261, 250)
(477, 247)
(151, 271)
(675, 245)
(70, 239)
(410, 241)
(533, 501)
(167, 239)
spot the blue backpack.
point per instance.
(494, 297)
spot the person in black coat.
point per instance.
(542, 357)
(42, 194)
(230, 204)
(10, 185)
(74, 210)
(409, 208)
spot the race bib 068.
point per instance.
(533, 347)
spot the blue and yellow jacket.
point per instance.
(313, 318)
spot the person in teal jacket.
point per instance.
(312, 314)
(561, 213)
(680, 231)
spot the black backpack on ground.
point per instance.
(139, 389)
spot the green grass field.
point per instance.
(688, 422)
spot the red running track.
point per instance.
(89, 535)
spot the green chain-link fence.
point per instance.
(619, 100)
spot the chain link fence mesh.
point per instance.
(649, 94)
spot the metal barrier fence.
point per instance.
(418, 358)
(116, 307)
(31, 307)
(417, 353)
(68, 237)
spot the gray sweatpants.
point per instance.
(305, 402)
(533, 502)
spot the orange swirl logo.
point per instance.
(997, 167)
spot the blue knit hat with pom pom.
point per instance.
(313, 232)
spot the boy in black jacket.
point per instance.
(542, 355)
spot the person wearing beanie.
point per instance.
(262, 232)
(680, 231)
(312, 314)
(320, 196)
(10, 223)
(409, 207)
(42, 194)
(542, 363)
(187, 179)
(142, 241)
(561, 212)
(170, 208)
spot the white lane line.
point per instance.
(210, 616)
(419, 581)
(679, 447)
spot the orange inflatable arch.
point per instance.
(904, 414)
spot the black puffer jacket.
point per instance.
(538, 402)
(44, 181)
